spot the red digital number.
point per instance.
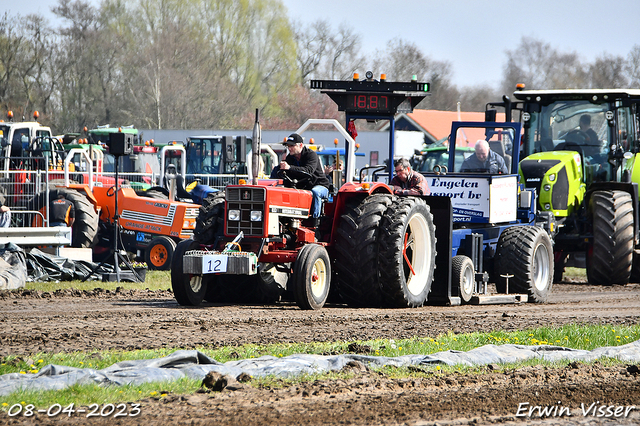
(373, 102)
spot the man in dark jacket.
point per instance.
(484, 160)
(61, 212)
(303, 159)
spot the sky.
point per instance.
(473, 35)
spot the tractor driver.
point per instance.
(484, 160)
(303, 159)
(406, 181)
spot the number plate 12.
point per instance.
(214, 263)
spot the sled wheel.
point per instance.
(189, 290)
(610, 257)
(526, 253)
(463, 276)
(356, 261)
(407, 253)
(159, 253)
(311, 277)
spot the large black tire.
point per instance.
(311, 277)
(356, 261)
(610, 257)
(85, 226)
(261, 288)
(526, 253)
(558, 266)
(159, 253)
(463, 277)
(210, 221)
(189, 290)
(155, 192)
(407, 253)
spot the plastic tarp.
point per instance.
(195, 365)
(13, 269)
(18, 267)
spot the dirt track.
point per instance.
(87, 321)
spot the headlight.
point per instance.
(234, 214)
(256, 215)
(552, 177)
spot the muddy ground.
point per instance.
(97, 320)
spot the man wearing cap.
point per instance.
(303, 159)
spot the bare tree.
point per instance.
(312, 45)
(633, 66)
(608, 71)
(538, 65)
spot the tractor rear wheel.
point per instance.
(159, 253)
(610, 257)
(407, 253)
(463, 276)
(210, 221)
(189, 290)
(311, 277)
(85, 226)
(356, 262)
(525, 253)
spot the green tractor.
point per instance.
(578, 150)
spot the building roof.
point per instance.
(435, 124)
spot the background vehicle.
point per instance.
(590, 187)
(371, 248)
(428, 158)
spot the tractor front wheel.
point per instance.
(189, 290)
(159, 253)
(311, 277)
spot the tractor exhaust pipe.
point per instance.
(255, 148)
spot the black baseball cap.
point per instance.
(292, 139)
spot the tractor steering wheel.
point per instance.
(292, 182)
(575, 136)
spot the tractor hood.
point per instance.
(557, 178)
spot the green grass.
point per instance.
(155, 280)
(571, 336)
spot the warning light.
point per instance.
(356, 76)
(335, 141)
(312, 141)
(520, 86)
(36, 114)
(10, 115)
(383, 77)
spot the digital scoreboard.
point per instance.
(371, 97)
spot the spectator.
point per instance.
(303, 159)
(61, 212)
(406, 181)
(484, 160)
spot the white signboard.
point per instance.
(214, 263)
(478, 199)
(503, 199)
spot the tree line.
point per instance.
(208, 64)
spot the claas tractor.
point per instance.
(256, 242)
(579, 150)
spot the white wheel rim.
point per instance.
(541, 267)
(467, 281)
(318, 278)
(419, 240)
(195, 283)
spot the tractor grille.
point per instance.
(560, 196)
(533, 172)
(246, 200)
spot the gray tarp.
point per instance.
(17, 267)
(196, 365)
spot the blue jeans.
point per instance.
(319, 193)
(5, 219)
